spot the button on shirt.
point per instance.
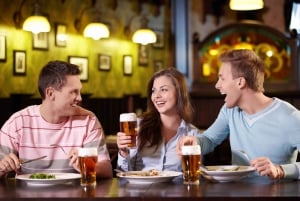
(163, 158)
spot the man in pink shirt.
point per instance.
(31, 132)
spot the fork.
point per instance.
(31, 160)
(61, 147)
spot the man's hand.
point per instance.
(186, 140)
(9, 162)
(265, 167)
(74, 162)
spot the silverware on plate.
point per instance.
(31, 160)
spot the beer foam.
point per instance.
(191, 150)
(87, 151)
(127, 117)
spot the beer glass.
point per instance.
(191, 161)
(128, 125)
(87, 161)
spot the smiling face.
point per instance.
(68, 97)
(229, 86)
(164, 95)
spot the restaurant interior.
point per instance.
(115, 68)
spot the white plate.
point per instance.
(137, 178)
(60, 178)
(226, 173)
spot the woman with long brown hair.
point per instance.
(168, 117)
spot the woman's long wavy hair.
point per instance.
(150, 126)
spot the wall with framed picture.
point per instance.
(40, 41)
(104, 62)
(82, 62)
(158, 65)
(19, 64)
(3, 48)
(103, 72)
(127, 65)
(60, 35)
(159, 39)
(143, 55)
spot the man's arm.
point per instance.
(104, 169)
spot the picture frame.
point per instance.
(104, 62)
(159, 39)
(19, 62)
(143, 55)
(60, 35)
(127, 65)
(158, 65)
(3, 46)
(82, 63)
(41, 41)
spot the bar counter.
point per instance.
(257, 188)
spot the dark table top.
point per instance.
(257, 188)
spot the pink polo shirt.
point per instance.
(28, 135)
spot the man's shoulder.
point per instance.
(29, 110)
(84, 112)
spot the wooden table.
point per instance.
(118, 189)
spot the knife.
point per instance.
(31, 160)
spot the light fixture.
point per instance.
(35, 23)
(144, 35)
(244, 5)
(96, 31)
(94, 28)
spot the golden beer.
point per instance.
(87, 162)
(191, 161)
(128, 125)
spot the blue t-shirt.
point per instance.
(273, 132)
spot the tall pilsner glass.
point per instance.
(128, 125)
(87, 161)
(191, 161)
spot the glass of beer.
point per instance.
(191, 161)
(87, 161)
(128, 125)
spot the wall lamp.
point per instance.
(144, 35)
(94, 29)
(244, 5)
(35, 23)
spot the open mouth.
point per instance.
(160, 103)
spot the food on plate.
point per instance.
(42, 176)
(224, 168)
(152, 172)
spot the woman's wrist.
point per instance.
(123, 152)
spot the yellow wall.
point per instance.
(100, 83)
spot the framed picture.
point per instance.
(127, 64)
(159, 39)
(40, 41)
(19, 64)
(60, 35)
(2, 48)
(158, 65)
(104, 62)
(143, 55)
(82, 63)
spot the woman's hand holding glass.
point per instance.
(122, 141)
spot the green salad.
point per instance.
(41, 176)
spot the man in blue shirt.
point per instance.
(266, 129)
